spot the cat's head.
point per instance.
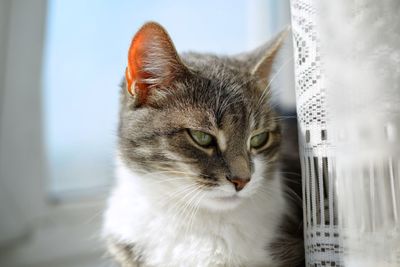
(198, 128)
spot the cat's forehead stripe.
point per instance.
(221, 139)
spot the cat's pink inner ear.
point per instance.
(134, 71)
(152, 61)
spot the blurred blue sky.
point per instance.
(85, 57)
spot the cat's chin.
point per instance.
(222, 203)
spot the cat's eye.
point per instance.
(201, 138)
(259, 140)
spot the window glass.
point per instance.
(85, 58)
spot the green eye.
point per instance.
(259, 140)
(201, 138)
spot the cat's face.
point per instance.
(199, 128)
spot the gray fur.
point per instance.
(127, 255)
(203, 91)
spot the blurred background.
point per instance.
(61, 63)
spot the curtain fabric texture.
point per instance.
(347, 72)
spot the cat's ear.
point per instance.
(261, 60)
(153, 62)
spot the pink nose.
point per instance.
(239, 183)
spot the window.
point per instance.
(85, 57)
(58, 123)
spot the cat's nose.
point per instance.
(239, 183)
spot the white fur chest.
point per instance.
(167, 236)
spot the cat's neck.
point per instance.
(132, 198)
(136, 217)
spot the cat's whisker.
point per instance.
(292, 181)
(188, 174)
(168, 169)
(94, 217)
(291, 192)
(284, 173)
(165, 172)
(179, 206)
(160, 178)
(182, 200)
(176, 194)
(287, 191)
(194, 175)
(279, 118)
(267, 192)
(224, 190)
(181, 212)
(172, 174)
(265, 94)
(281, 68)
(196, 208)
(190, 208)
(270, 162)
(173, 199)
(167, 180)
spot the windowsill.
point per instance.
(70, 230)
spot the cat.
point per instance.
(200, 160)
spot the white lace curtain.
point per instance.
(347, 70)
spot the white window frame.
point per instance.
(34, 231)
